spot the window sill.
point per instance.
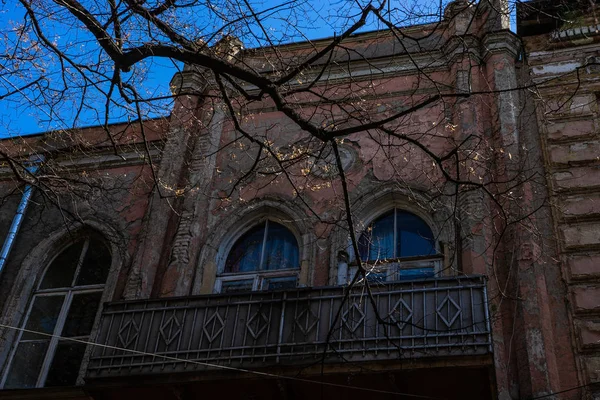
(399, 260)
(258, 281)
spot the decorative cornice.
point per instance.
(501, 42)
(578, 32)
(376, 68)
(96, 162)
(459, 46)
(412, 30)
(190, 80)
(456, 7)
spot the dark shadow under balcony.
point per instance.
(405, 320)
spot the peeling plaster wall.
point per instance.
(116, 194)
(567, 114)
(174, 245)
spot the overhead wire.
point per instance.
(223, 367)
(547, 396)
(275, 376)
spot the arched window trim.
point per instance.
(396, 230)
(35, 264)
(260, 278)
(390, 269)
(68, 293)
(377, 211)
(267, 226)
(224, 229)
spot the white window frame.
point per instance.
(259, 276)
(68, 294)
(392, 267)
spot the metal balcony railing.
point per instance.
(428, 318)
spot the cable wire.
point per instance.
(545, 396)
(224, 367)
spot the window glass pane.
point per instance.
(379, 273)
(377, 277)
(415, 273)
(378, 242)
(364, 243)
(96, 264)
(65, 364)
(61, 271)
(82, 313)
(26, 365)
(245, 254)
(237, 286)
(43, 316)
(281, 250)
(284, 282)
(414, 236)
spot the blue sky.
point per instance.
(19, 116)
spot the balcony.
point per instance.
(429, 318)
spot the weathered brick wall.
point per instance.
(567, 113)
(93, 184)
(174, 233)
(532, 348)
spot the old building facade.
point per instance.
(209, 253)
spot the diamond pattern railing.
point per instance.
(429, 318)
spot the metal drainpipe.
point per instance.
(18, 218)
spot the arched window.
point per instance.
(265, 257)
(399, 245)
(64, 305)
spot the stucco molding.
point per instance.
(500, 42)
(91, 162)
(372, 200)
(460, 46)
(224, 232)
(190, 81)
(33, 267)
(348, 71)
